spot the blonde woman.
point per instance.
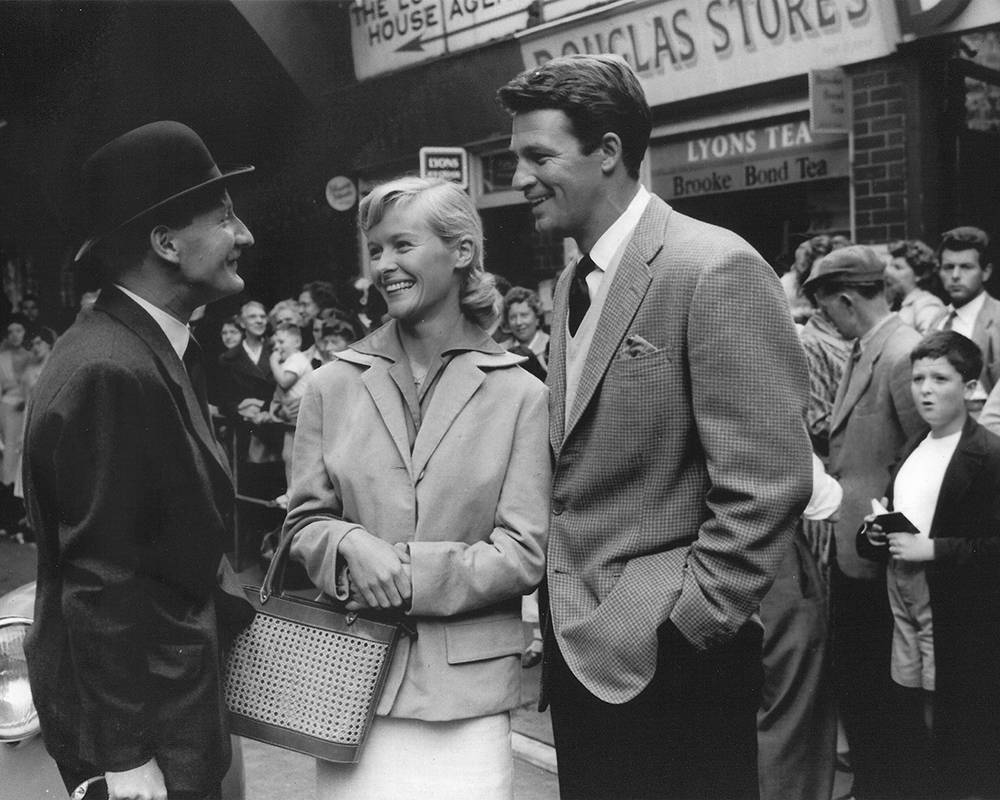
(420, 481)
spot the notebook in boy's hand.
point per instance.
(895, 522)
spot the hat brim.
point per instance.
(229, 172)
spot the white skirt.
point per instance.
(410, 759)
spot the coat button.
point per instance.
(558, 508)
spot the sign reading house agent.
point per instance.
(387, 35)
(689, 48)
(449, 163)
(747, 158)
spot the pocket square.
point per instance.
(635, 346)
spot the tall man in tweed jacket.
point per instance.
(677, 395)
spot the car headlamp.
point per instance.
(18, 719)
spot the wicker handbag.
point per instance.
(304, 675)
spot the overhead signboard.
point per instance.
(690, 48)
(935, 17)
(448, 163)
(747, 158)
(387, 35)
(829, 101)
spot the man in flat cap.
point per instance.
(128, 489)
(873, 416)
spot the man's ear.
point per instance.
(987, 271)
(162, 242)
(611, 152)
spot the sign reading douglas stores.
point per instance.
(690, 48)
(747, 158)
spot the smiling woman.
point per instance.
(421, 465)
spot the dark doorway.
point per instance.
(509, 249)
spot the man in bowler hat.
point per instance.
(128, 490)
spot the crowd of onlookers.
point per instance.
(903, 351)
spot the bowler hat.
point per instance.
(144, 170)
(853, 264)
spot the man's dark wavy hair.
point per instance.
(599, 93)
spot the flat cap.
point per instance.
(854, 264)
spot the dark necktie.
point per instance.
(579, 293)
(194, 362)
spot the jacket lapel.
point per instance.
(557, 363)
(858, 377)
(628, 288)
(963, 468)
(458, 383)
(385, 394)
(123, 308)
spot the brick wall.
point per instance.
(879, 152)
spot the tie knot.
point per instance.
(584, 267)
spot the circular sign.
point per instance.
(341, 193)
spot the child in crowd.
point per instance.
(943, 580)
(291, 369)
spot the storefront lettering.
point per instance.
(460, 8)
(733, 23)
(709, 184)
(740, 143)
(409, 17)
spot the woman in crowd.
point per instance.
(420, 482)
(285, 312)
(334, 334)
(522, 310)
(38, 342)
(13, 361)
(231, 332)
(912, 271)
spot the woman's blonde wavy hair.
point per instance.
(450, 214)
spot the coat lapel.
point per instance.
(963, 468)
(123, 308)
(628, 288)
(385, 394)
(858, 377)
(458, 383)
(557, 363)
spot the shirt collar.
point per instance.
(605, 248)
(970, 310)
(385, 342)
(177, 332)
(870, 334)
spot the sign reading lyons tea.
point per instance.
(689, 48)
(449, 163)
(747, 158)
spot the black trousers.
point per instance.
(76, 774)
(862, 646)
(691, 733)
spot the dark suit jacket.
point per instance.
(986, 333)
(680, 472)
(240, 378)
(129, 494)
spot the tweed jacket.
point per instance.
(470, 501)
(985, 333)
(240, 378)
(873, 416)
(683, 466)
(129, 494)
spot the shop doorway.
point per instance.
(509, 243)
(776, 220)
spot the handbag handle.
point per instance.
(275, 576)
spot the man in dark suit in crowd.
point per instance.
(129, 492)
(678, 391)
(247, 383)
(973, 312)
